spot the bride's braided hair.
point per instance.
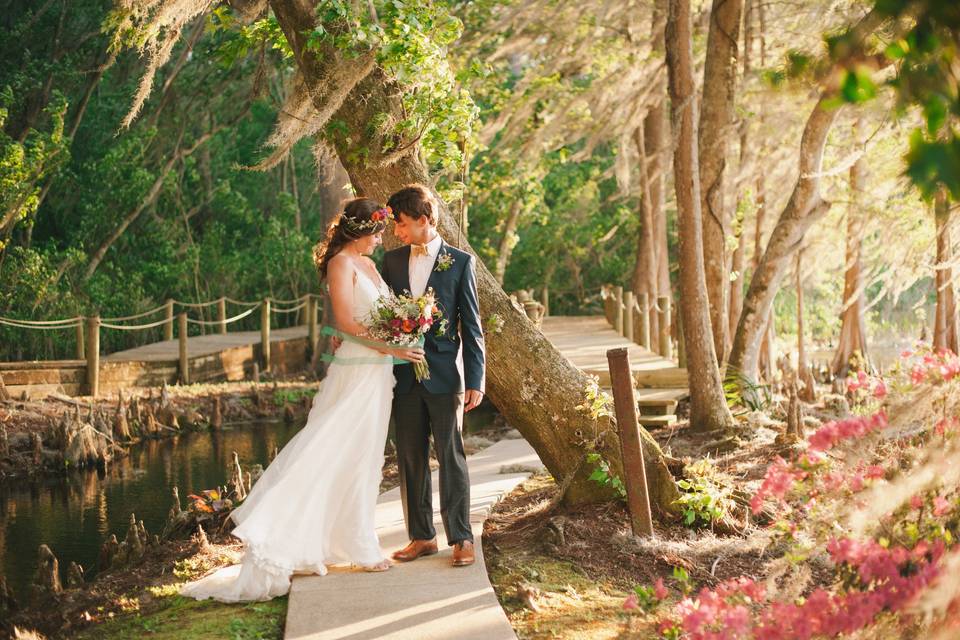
(360, 217)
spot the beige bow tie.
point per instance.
(419, 250)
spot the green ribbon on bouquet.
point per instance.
(372, 344)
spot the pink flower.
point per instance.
(916, 502)
(880, 391)
(659, 590)
(940, 506)
(631, 603)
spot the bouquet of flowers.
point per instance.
(403, 321)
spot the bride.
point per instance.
(315, 503)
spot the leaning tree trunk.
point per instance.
(803, 209)
(853, 324)
(708, 407)
(945, 318)
(716, 119)
(531, 383)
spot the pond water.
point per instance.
(74, 514)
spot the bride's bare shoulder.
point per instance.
(339, 266)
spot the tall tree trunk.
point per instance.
(655, 137)
(804, 207)
(945, 318)
(708, 407)
(645, 268)
(508, 241)
(716, 120)
(531, 383)
(744, 172)
(853, 324)
(804, 376)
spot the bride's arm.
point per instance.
(340, 281)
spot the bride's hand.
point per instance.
(410, 354)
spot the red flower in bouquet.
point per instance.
(405, 320)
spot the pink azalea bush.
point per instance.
(879, 575)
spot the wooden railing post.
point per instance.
(545, 300)
(635, 475)
(663, 320)
(311, 326)
(81, 329)
(644, 304)
(93, 355)
(606, 294)
(222, 314)
(618, 310)
(265, 333)
(184, 355)
(168, 326)
(628, 315)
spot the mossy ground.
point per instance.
(176, 618)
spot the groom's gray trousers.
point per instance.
(417, 413)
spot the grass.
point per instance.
(176, 618)
(570, 605)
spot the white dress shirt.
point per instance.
(421, 266)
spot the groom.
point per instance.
(437, 404)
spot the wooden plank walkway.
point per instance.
(203, 345)
(584, 341)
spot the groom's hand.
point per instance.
(471, 399)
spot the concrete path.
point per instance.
(426, 599)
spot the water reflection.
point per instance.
(73, 515)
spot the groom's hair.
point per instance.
(415, 201)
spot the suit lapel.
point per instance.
(433, 268)
(403, 270)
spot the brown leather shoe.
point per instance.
(415, 549)
(463, 554)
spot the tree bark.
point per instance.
(530, 382)
(507, 241)
(945, 318)
(804, 207)
(744, 171)
(645, 268)
(853, 325)
(716, 120)
(808, 392)
(708, 407)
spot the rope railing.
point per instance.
(88, 328)
(66, 323)
(290, 310)
(136, 316)
(239, 316)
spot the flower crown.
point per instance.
(379, 216)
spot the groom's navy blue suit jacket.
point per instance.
(456, 294)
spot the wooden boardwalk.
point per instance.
(214, 357)
(584, 341)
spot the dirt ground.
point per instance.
(564, 572)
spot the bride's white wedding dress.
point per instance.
(314, 505)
